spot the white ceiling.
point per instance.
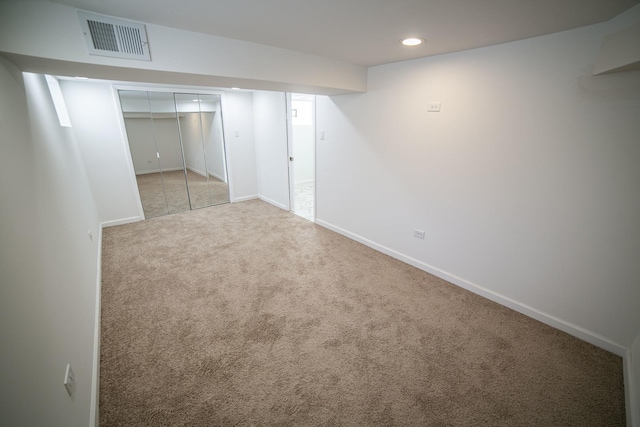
(365, 32)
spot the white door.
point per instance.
(301, 131)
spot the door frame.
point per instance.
(291, 153)
(171, 89)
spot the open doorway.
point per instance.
(302, 146)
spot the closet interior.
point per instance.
(177, 149)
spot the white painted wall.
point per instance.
(237, 110)
(146, 138)
(214, 143)
(269, 112)
(97, 126)
(48, 264)
(620, 51)
(142, 145)
(191, 132)
(303, 148)
(526, 182)
(95, 117)
(165, 133)
(52, 31)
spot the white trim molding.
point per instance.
(146, 172)
(94, 414)
(245, 198)
(121, 221)
(218, 177)
(632, 383)
(631, 395)
(196, 171)
(570, 328)
(273, 202)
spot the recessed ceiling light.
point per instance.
(235, 88)
(412, 41)
(82, 78)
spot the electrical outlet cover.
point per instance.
(69, 380)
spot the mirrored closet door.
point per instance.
(200, 124)
(177, 148)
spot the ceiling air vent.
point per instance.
(106, 36)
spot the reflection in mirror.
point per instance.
(200, 125)
(142, 143)
(190, 127)
(177, 149)
(213, 137)
(163, 114)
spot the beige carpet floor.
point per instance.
(166, 193)
(247, 315)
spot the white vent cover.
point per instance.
(106, 36)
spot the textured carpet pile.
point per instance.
(244, 314)
(169, 192)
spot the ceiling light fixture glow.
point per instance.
(82, 78)
(412, 41)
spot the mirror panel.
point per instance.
(188, 107)
(164, 116)
(177, 148)
(142, 144)
(213, 137)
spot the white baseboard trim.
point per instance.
(630, 395)
(202, 174)
(158, 170)
(94, 414)
(120, 221)
(273, 202)
(216, 176)
(244, 198)
(632, 383)
(568, 327)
